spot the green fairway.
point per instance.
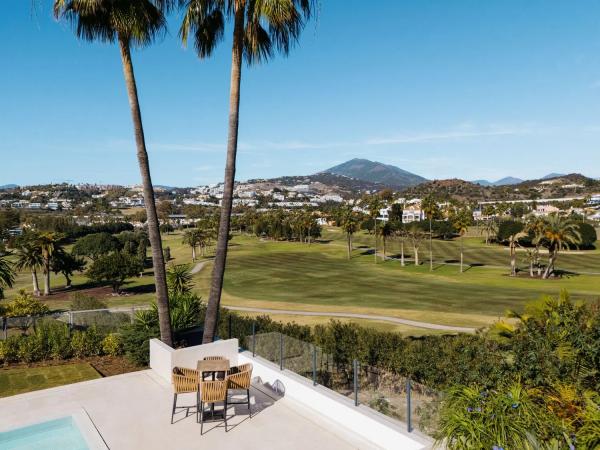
(27, 379)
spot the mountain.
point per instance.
(501, 182)
(507, 181)
(552, 175)
(376, 172)
(8, 186)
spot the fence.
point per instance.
(105, 320)
(391, 394)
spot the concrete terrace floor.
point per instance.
(132, 411)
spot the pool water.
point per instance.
(60, 434)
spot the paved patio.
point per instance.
(132, 411)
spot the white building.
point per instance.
(413, 214)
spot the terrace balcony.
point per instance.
(133, 411)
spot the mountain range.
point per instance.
(7, 186)
(376, 172)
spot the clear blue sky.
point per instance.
(462, 88)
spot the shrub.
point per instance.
(82, 302)
(25, 305)
(509, 228)
(31, 348)
(588, 236)
(9, 349)
(136, 342)
(86, 343)
(112, 344)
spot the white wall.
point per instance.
(360, 420)
(163, 358)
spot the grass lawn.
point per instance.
(26, 379)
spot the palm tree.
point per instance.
(349, 223)
(29, 257)
(138, 23)
(385, 231)
(259, 28)
(490, 228)
(535, 227)
(431, 209)
(401, 233)
(462, 220)
(47, 243)
(179, 279)
(374, 205)
(559, 233)
(7, 275)
(192, 238)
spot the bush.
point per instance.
(112, 344)
(86, 343)
(9, 349)
(31, 349)
(25, 305)
(588, 236)
(82, 302)
(509, 228)
(136, 342)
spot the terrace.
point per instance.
(133, 410)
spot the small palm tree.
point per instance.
(137, 23)
(461, 222)
(29, 257)
(431, 210)
(385, 231)
(349, 223)
(179, 279)
(192, 238)
(7, 275)
(559, 234)
(259, 28)
(490, 228)
(47, 243)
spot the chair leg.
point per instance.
(174, 406)
(225, 413)
(248, 395)
(197, 406)
(201, 417)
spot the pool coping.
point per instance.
(80, 417)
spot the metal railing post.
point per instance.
(408, 406)
(314, 364)
(229, 325)
(253, 339)
(355, 373)
(280, 351)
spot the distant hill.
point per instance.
(376, 172)
(506, 181)
(8, 186)
(552, 175)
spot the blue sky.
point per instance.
(466, 89)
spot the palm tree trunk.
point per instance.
(160, 278)
(430, 247)
(349, 246)
(216, 285)
(550, 268)
(47, 278)
(193, 253)
(375, 228)
(68, 280)
(36, 286)
(416, 256)
(402, 263)
(383, 238)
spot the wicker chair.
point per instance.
(238, 378)
(212, 392)
(185, 381)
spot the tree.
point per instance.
(416, 236)
(559, 233)
(490, 228)
(191, 237)
(179, 279)
(259, 29)
(29, 257)
(66, 263)
(349, 223)
(48, 243)
(400, 231)
(385, 231)
(95, 245)
(461, 221)
(374, 204)
(7, 275)
(114, 268)
(431, 209)
(136, 22)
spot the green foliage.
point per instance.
(114, 268)
(96, 245)
(25, 305)
(112, 344)
(588, 236)
(82, 302)
(508, 228)
(472, 418)
(7, 275)
(179, 279)
(186, 311)
(136, 341)
(9, 349)
(86, 343)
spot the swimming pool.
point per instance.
(60, 433)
